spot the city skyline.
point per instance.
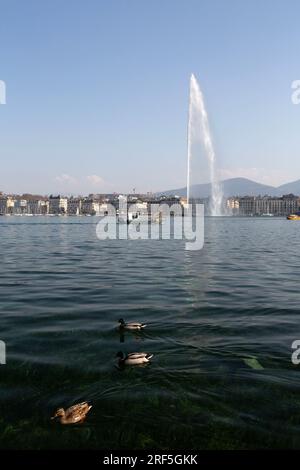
(136, 206)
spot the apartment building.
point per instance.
(6, 205)
(58, 205)
(20, 207)
(90, 207)
(277, 206)
(38, 207)
(74, 206)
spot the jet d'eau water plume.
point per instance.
(200, 146)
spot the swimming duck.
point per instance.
(74, 414)
(131, 326)
(133, 359)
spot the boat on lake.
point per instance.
(295, 216)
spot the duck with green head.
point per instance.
(133, 359)
(131, 325)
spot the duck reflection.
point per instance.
(134, 328)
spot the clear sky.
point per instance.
(97, 91)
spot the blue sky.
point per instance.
(97, 91)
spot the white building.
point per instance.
(58, 205)
(138, 208)
(233, 205)
(105, 208)
(38, 207)
(6, 205)
(20, 206)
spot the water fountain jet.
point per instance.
(199, 132)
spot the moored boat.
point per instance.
(295, 216)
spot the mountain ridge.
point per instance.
(238, 187)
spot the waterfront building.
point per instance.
(74, 206)
(6, 205)
(277, 206)
(38, 207)
(246, 205)
(104, 208)
(20, 207)
(233, 206)
(58, 205)
(290, 204)
(138, 208)
(141, 207)
(90, 206)
(169, 200)
(183, 201)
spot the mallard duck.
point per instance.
(133, 359)
(131, 325)
(74, 414)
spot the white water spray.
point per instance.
(198, 131)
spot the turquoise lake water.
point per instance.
(221, 322)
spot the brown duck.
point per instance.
(74, 414)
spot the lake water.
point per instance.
(221, 322)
